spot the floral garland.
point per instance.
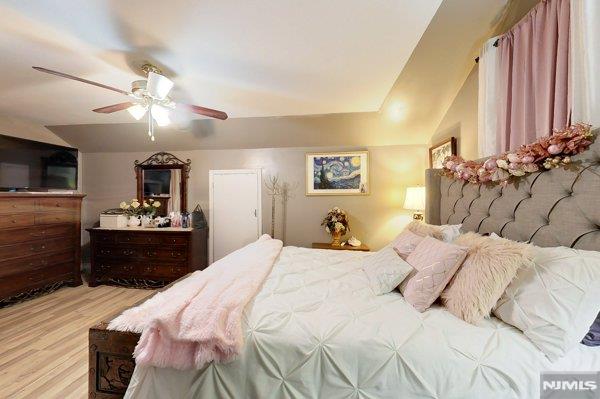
(546, 153)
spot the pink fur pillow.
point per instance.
(490, 266)
(405, 243)
(435, 262)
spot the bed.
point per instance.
(315, 331)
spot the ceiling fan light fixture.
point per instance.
(137, 111)
(158, 86)
(160, 115)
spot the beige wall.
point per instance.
(461, 119)
(25, 129)
(375, 218)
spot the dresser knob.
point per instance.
(14, 205)
(14, 221)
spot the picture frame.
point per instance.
(439, 152)
(337, 173)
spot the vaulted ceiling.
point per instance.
(387, 70)
(250, 58)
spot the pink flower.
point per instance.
(528, 159)
(554, 149)
(490, 164)
(514, 158)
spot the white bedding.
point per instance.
(315, 330)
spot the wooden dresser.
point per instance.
(40, 244)
(146, 257)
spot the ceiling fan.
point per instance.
(149, 96)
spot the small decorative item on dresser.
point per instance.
(336, 224)
(139, 212)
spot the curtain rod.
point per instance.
(495, 45)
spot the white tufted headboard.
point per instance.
(552, 208)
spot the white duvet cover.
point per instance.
(315, 330)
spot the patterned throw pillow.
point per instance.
(406, 242)
(385, 270)
(435, 262)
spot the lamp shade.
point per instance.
(415, 198)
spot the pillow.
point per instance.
(555, 301)
(450, 232)
(405, 243)
(446, 232)
(592, 338)
(435, 262)
(385, 270)
(424, 229)
(486, 272)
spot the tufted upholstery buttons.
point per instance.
(561, 214)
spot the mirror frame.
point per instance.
(163, 160)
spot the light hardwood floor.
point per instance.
(44, 341)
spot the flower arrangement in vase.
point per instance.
(136, 210)
(336, 224)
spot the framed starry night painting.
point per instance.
(337, 173)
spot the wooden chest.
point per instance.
(146, 258)
(40, 243)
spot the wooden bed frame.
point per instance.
(111, 360)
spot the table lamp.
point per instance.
(415, 200)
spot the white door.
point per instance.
(234, 210)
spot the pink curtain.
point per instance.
(533, 76)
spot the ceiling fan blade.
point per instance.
(213, 113)
(90, 82)
(159, 86)
(109, 109)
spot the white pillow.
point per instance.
(450, 231)
(385, 270)
(555, 300)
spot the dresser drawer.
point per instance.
(175, 240)
(35, 232)
(36, 278)
(163, 270)
(172, 254)
(138, 238)
(30, 263)
(116, 268)
(56, 204)
(10, 205)
(126, 252)
(103, 238)
(55, 217)
(16, 220)
(34, 248)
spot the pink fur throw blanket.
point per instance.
(199, 319)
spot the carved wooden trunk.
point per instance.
(111, 361)
(40, 236)
(146, 258)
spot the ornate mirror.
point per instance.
(163, 177)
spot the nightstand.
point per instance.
(347, 247)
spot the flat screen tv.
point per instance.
(27, 165)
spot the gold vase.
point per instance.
(336, 238)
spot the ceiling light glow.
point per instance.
(137, 111)
(160, 115)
